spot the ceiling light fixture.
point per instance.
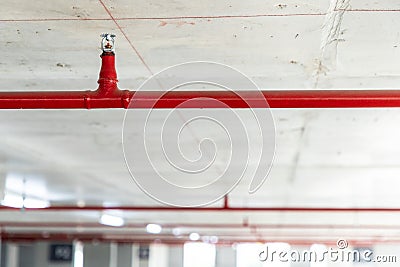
(18, 201)
(153, 228)
(111, 220)
(194, 236)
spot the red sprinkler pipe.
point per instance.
(126, 238)
(199, 99)
(91, 225)
(204, 209)
(109, 96)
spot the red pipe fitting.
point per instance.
(108, 75)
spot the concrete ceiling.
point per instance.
(324, 158)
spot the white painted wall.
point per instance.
(37, 255)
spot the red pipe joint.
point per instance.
(108, 75)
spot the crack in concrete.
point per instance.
(331, 29)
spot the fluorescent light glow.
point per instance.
(111, 220)
(194, 236)
(153, 228)
(36, 203)
(14, 201)
(17, 201)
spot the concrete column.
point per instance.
(78, 254)
(225, 257)
(175, 258)
(11, 255)
(135, 256)
(158, 255)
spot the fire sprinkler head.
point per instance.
(107, 43)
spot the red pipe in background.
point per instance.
(33, 237)
(204, 209)
(258, 226)
(109, 96)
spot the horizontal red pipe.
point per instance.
(205, 209)
(203, 226)
(29, 237)
(221, 236)
(21, 237)
(201, 99)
